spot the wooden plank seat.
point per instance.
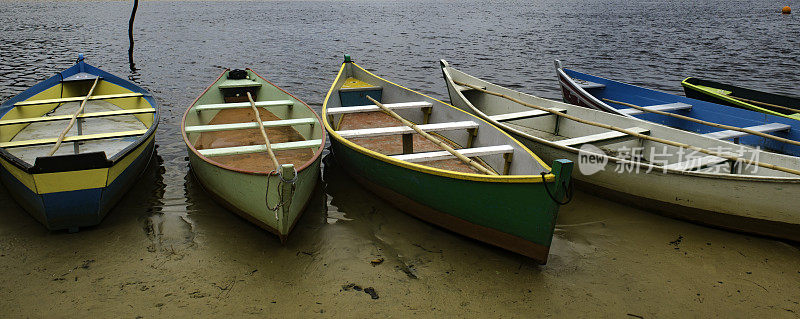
(375, 108)
(77, 138)
(249, 149)
(249, 125)
(659, 107)
(442, 155)
(601, 137)
(239, 83)
(80, 116)
(223, 106)
(588, 84)
(397, 130)
(524, 114)
(766, 128)
(698, 163)
(79, 99)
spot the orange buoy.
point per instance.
(786, 10)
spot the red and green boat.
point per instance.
(512, 202)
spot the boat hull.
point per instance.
(705, 90)
(519, 217)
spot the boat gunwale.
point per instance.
(194, 150)
(652, 168)
(114, 159)
(729, 99)
(549, 177)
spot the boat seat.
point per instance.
(698, 163)
(659, 107)
(249, 125)
(524, 115)
(588, 84)
(397, 130)
(249, 149)
(601, 137)
(79, 99)
(375, 108)
(766, 128)
(77, 138)
(80, 116)
(241, 105)
(442, 155)
(240, 83)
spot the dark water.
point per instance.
(182, 46)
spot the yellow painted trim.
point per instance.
(426, 169)
(126, 161)
(70, 181)
(24, 178)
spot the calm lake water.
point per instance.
(168, 249)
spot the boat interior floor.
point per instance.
(256, 161)
(49, 130)
(393, 144)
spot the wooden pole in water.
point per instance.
(764, 104)
(72, 120)
(717, 125)
(263, 132)
(631, 133)
(130, 35)
(433, 139)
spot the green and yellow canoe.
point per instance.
(509, 208)
(740, 97)
(229, 157)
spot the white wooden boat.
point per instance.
(703, 188)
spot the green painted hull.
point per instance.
(720, 93)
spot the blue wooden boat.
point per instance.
(592, 91)
(107, 126)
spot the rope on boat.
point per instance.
(568, 193)
(764, 103)
(433, 139)
(635, 134)
(717, 125)
(73, 119)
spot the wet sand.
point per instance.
(165, 257)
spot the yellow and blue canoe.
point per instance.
(101, 157)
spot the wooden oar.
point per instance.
(263, 132)
(764, 103)
(72, 120)
(433, 139)
(717, 125)
(631, 133)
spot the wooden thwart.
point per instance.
(726, 134)
(241, 105)
(78, 99)
(78, 138)
(655, 139)
(722, 126)
(601, 137)
(395, 130)
(659, 107)
(524, 115)
(433, 139)
(250, 125)
(375, 108)
(697, 163)
(443, 155)
(80, 116)
(249, 149)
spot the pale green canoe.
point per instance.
(228, 155)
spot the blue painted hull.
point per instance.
(701, 110)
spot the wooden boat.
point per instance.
(740, 97)
(266, 182)
(503, 201)
(675, 181)
(598, 93)
(108, 125)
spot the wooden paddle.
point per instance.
(717, 125)
(764, 103)
(433, 139)
(263, 132)
(72, 120)
(631, 133)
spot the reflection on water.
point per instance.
(168, 245)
